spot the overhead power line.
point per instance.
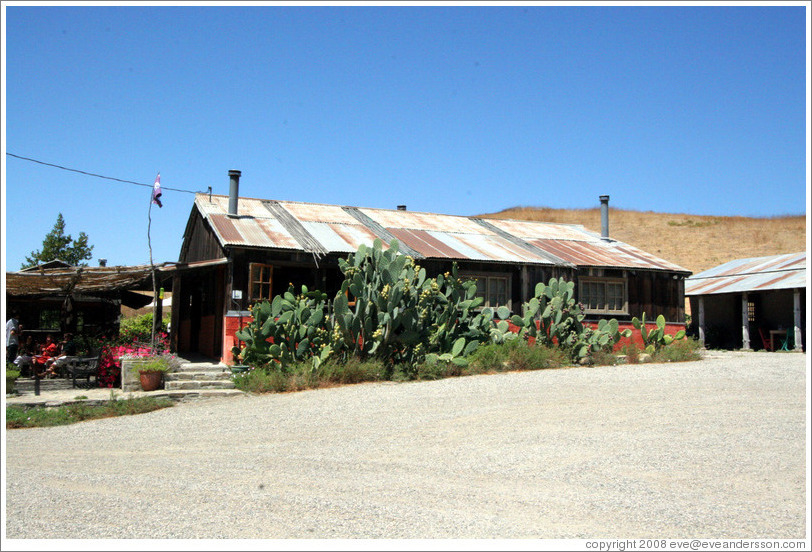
(98, 175)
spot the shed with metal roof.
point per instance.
(756, 303)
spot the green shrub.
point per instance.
(604, 358)
(438, 370)
(353, 370)
(261, 380)
(523, 356)
(139, 328)
(489, 358)
(11, 376)
(683, 350)
(632, 353)
(516, 355)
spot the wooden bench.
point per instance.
(83, 368)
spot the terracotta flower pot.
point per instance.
(150, 381)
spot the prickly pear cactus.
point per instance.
(656, 338)
(401, 316)
(289, 329)
(554, 318)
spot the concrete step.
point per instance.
(197, 375)
(202, 367)
(198, 384)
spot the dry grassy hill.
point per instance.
(693, 242)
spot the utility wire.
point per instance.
(98, 175)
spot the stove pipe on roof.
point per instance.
(604, 216)
(234, 192)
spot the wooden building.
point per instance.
(246, 250)
(757, 303)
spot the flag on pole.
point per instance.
(156, 191)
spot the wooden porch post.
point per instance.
(796, 312)
(745, 324)
(701, 318)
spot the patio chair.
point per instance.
(768, 346)
(787, 341)
(83, 368)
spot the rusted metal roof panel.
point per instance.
(604, 253)
(252, 232)
(316, 212)
(425, 244)
(544, 230)
(343, 238)
(425, 221)
(576, 244)
(246, 207)
(356, 234)
(490, 248)
(754, 274)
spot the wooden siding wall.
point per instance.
(202, 244)
(656, 293)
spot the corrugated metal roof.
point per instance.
(575, 244)
(337, 229)
(755, 274)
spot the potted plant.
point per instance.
(151, 371)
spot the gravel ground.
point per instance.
(710, 449)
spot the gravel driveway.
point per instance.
(710, 449)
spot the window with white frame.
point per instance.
(493, 288)
(603, 295)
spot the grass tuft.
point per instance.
(18, 416)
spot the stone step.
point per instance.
(47, 384)
(202, 367)
(197, 375)
(198, 384)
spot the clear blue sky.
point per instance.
(461, 110)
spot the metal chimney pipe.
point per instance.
(604, 216)
(234, 192)
(401, 207)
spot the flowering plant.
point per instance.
(156, 363)
(109, 374)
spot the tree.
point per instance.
(57, 245)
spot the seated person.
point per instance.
(47, 356)
(68, 350)
(69, 345)
(25, 355)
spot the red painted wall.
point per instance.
(232, 324)
(636, 338)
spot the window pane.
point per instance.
(260, 281)
(481, 285)
(603, 296)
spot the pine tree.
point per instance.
(57, 245)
